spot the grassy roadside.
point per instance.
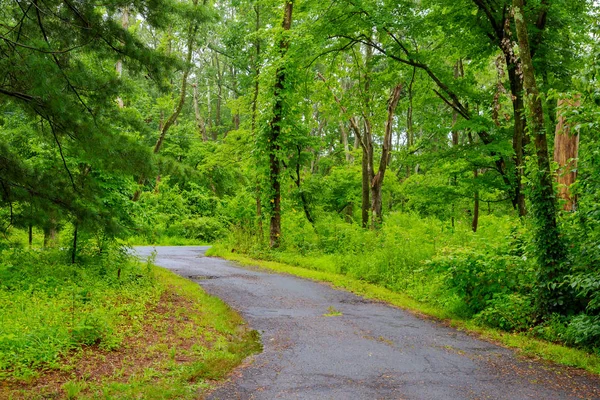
(174, 347)
(525, 344)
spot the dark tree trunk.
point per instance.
(377, 181)
(520, 138)
(365, 204)
(475, 221)
(74, 249)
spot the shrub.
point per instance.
(479, 275)
(510, 312)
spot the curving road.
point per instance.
(371, 351)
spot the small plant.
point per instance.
(332, 312)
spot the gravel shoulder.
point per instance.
(322, 343)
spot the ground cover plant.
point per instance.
(112, 327)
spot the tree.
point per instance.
(550, 250)
(275, 129)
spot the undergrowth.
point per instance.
(55, 315)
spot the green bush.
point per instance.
(480, 275)
(509, 312)
(583, 330)
(204, 229)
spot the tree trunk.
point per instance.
(254, 115)
(520, 139)
(550, 252)
(119, 66)
(475, 221)
(566, 151)
(377, 181)
(235, 119)
(344, 133)
(74, 249)
(51, 233)
(365, 189)
(275, 132)
(219, 96)
(199, 120)
(213, 133)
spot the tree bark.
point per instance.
(377, 181)
(254, 115)
(566, 151)
(119, 66)
(344, 134)
(199, 120)
(475, 221)
(275, 132)
(219, 96)
(550, 252)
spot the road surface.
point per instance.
(323, 343)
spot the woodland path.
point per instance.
(371, 351)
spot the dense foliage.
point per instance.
(445, 149)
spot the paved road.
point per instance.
(371, 351)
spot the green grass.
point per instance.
(227, 341)
(90, 331)
(526, 345)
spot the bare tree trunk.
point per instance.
(199, 120)
(344, 133)
(212, 131)
(566, 151)
(377, 181)
(275, 132)
(219, 96)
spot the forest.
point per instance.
(445, 150)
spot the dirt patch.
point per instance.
(167, 335)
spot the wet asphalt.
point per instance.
(371, 351)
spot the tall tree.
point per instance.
(550, 250)
(275, 128)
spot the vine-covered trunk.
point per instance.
(550, 252)
(275, 132)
